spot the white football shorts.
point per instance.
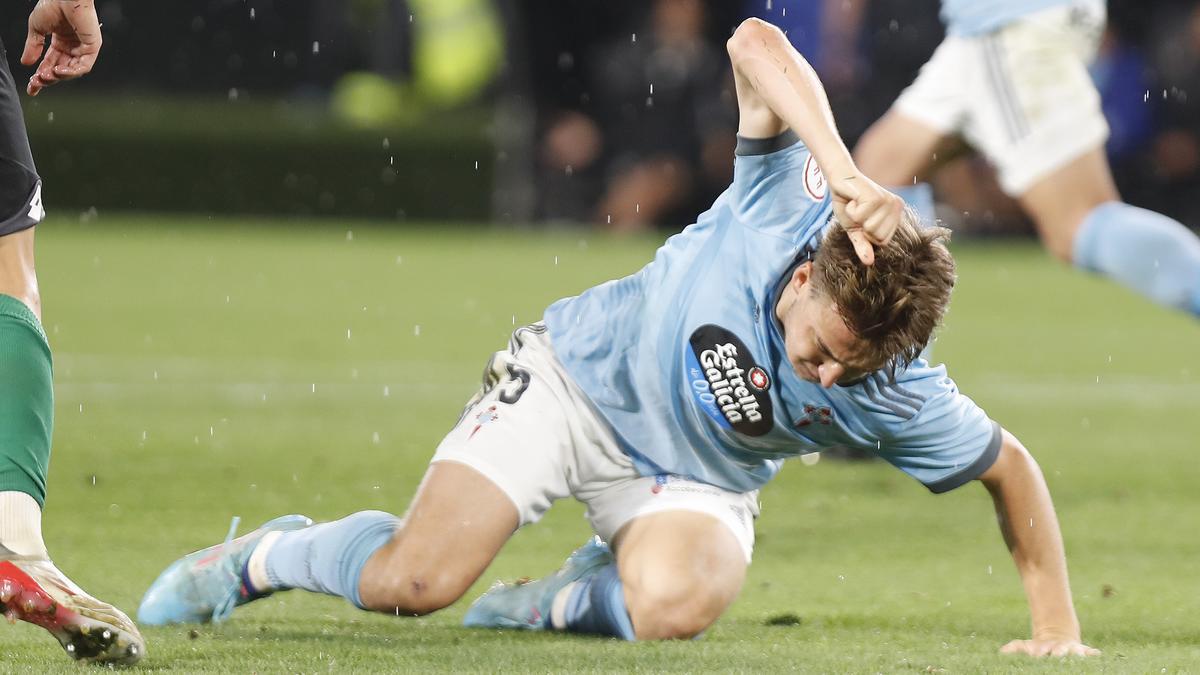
(534, 433)
(1021, 95)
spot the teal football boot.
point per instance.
(526, 604)
(208, 584)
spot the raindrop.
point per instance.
(233, 94)
(989, 569)
(314, 387)
(633, 37)
(347, 333)
(375, 439)
(349, 235)
(476, 165)
(316, 49)
(399, 259)
(387, 391)
(556, 261)
(570, 170)
(50, 117)
(651, 88)
(417, 330)
(251, 13)
(386, 144)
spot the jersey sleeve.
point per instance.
(779, 189)
(949, 442)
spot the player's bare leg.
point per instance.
(457, 522)
(455, 527)
(1059, 203)
(897, 149)
(680, 570)
(18, 278)
(1082, 220)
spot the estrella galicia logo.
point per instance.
(728, 385)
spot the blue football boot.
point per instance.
(206, 585)
(526, 604)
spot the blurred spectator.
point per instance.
(638, 126)
(1176, 150)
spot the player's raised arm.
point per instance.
(1030, 528)
(777, 89)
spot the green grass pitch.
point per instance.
(208, 368)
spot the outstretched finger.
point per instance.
(35, 44)
(1015, 647)
(862, 247)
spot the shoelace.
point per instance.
(225, 607)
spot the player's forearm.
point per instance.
(763, 59)
(1030, 528)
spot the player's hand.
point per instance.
(75, 40)
(869, 213)
(1051, 647)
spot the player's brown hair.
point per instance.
(894, 305)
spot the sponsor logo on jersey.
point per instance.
(726, 382)
(758, 379)
(486, 417)
(814, 180)
(815, 414)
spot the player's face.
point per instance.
(820, 346)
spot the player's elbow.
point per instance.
(752, 36)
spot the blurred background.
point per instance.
(611, 113)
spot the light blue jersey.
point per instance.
(686, 360)
(974, 17)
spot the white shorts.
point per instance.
(1021, 94)
(537, 436)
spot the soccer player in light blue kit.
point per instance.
(788, 318)
(1011, 77)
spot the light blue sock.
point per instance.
(1146, 251)
(329, 558)
(596, 605)
(920, 197)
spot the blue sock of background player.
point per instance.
(1146, 251)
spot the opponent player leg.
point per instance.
(1082, 220)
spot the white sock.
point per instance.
(256, 566)
(21, 526)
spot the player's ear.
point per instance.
(802, 275)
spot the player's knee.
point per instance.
(669, 605)
(675, 612)
(413, 593)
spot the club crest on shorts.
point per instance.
(486, 417)
(726, 382)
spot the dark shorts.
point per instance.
(20, 187)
